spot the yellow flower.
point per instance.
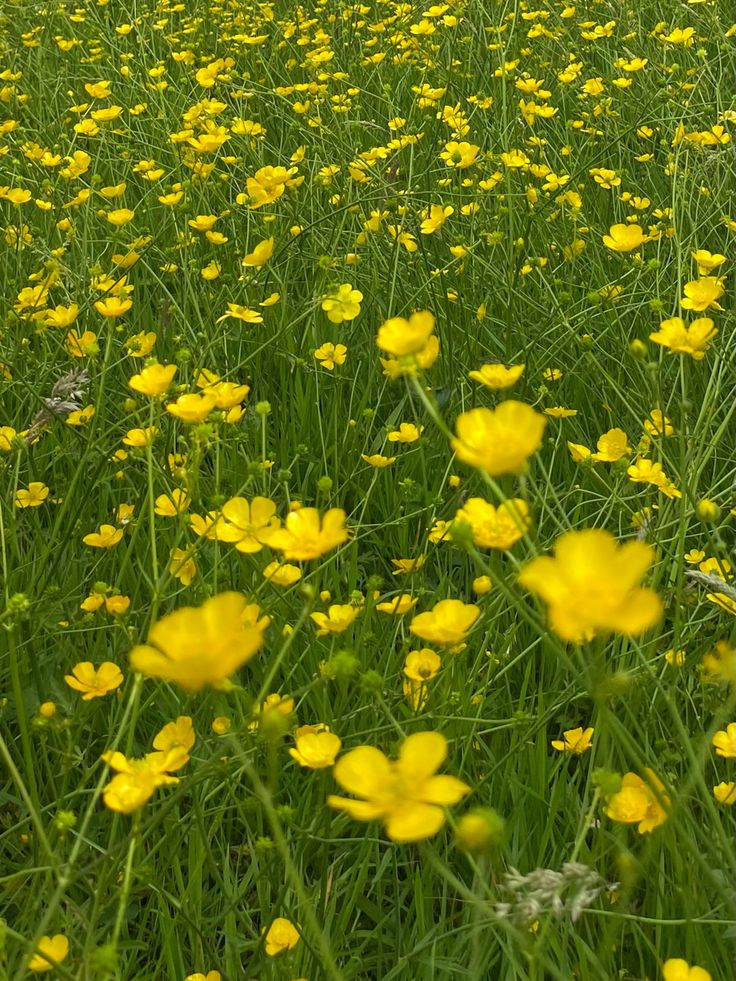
(725, 742)
(422, 665)
(260, 254)
(406, 433)
(337, 619)
(209, 976)
(330, 355)
(725, 793)
(239, 312)
(342, 304)
(171, 504)
(446, 624)
(281, 935)
(497, 376)
(647, 472)
(113, 306)
(658, 424)
(500, 440)
(560, 412)
(639, 802)
(693, 340)
(182, 566)
(460, 155)
(308, 535)
(198, 646)
(707, 261)
(574, 741)
(62, 316)
(378, 460)
(434, 218)
(676, 969)
(120, 217)
(49, 952)
(493, 527)
(624, 238)
(107, 537)
(140, 438)
(612, 446)
(703, 293)
(578, 452)
(282, 574)
(249, 525)
(140, 345)
(591, 586)
(192, 407)
(401, 337)
(33, 497)
(720, 662)
(315, 747)
(406, 566)
(153, 380)
(94, 682)
(399, 605)
(405, 794)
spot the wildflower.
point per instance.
(198, 646)
(500, 440)
(315, 747)
(308, 535)
(249, 525)
(658, 424)
(574, 741)
(624, 238)
(482, 585)
(281, 935)
(676, 969)
(703, 293)
(140, 438)
(209, 976)
(329, 355)
(405, 794)
(578, 452)
(404, 567)
(282, 574)
(707, 261)
(192, 407)
(725, 742)
(612, 446)
(239, 312)
(693, 340)
(422, 665)
(273, 715)
(497, 376)
(94, 682)
(140, 345)
(639, 802)
(337, 619)
(32, 497)
(675, 658)
(560, 412)
(646, 472)
(406, 433)
(107, 537)
(493, 527)
(460, 155)
(182, 566)
(591, 586)
(446, 624)
(401, 337)
(260, 254)
(342, 304)
(171, 504)
(399, 605)
(153, 380)
(49, 952)
(434, 218)
(136, 780)
(725, 793)
(113, 306)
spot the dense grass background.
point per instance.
(189, 883)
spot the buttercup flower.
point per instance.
(493, 527)
(49, 951)
(343, 304)
(500, 440)
(639, 802)
(315, 747)
(198, 646)
(677, 969)
(693, 340)
(405, 794)
(725, 742)
(591, 586)
(574, 741)
(281, 935)
(446, 624)
(94, 682)
(307, 534)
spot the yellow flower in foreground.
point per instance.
(493, 527)
(405, 794)
(308, 535)
(446, 624)
(639, 802)
(94, 682)
(378, 460)
(49, 951)
(693, 340)
(703, 293)
(401, 337)
(574, 741)
(282, 573)
(249, 525)
(198, 646)
(500, 440)
(153, 380)
(329, 355)
(612, 446)
(725, 742)
(192, 407)
(33, 497)
(624, 238)
(343, 304)
(497, 376)
(676, 969)
(591, 586)
(260, 254)
(316, 747)
(281, 935)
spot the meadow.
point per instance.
(367, 490)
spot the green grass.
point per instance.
(189, 882)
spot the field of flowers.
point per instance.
(367, 454)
